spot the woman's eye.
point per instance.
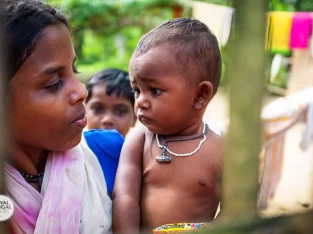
(75, 70)
(155, 92)
(55, 87)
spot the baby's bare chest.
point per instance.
(198, 173)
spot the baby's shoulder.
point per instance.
(214, 140)
(215, 145)
(139, 135)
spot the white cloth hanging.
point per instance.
(307, 137)
(218, 18)
(227, 23)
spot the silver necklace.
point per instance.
(167, 159)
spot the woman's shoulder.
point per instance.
(106, 141)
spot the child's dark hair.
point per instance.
(194, 45)
(23, 22)
(115, 80)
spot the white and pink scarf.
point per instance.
(73, 197)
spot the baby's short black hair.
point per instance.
(115, 80)
(194, 45)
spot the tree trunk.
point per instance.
(245, 73)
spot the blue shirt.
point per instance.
(106, 145)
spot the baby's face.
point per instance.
(109, 111)
(164, 99)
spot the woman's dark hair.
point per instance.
(23, 22)
(115, 80)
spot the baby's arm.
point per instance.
(218, 151)
(127, 188)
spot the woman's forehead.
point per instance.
(53, 48)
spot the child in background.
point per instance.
(170, 168)
(109, 105)
(110, 101)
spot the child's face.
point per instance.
(164, 98)
(46, 99)
(109, 112)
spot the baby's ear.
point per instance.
(204, 95)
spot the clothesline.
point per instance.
(285, 30)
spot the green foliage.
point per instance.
(105, 32)
(281, 80)
(291, 5)
(219, 2)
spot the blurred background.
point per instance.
(105, 32)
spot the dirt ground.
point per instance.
(294, 192)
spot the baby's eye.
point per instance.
(155, 92)
(136, 92)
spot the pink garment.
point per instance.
(73, 197)
(301, 28)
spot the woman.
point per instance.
(53, 178)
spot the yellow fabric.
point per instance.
(279, 30)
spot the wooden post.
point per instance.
(245, 73)
(3, 123)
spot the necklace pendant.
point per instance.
(163, 159)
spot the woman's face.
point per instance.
(46, 99)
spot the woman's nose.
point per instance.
(79, 93)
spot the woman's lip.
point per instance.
(81, 122)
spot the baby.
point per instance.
(170, 168)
